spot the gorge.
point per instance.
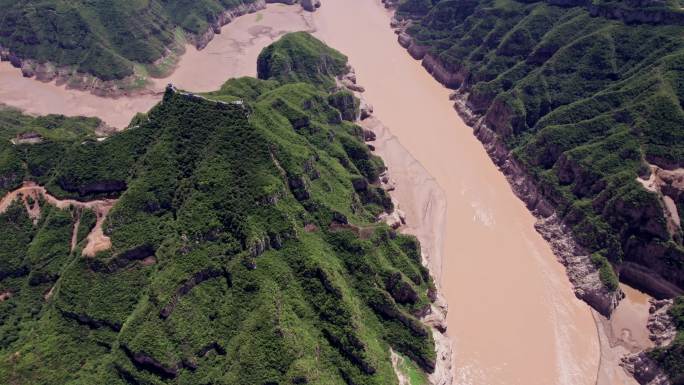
(501, 280)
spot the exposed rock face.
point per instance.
(669, 186)
(5, 296)
(92, 323)
(644, 370)
(434, 317)
(188, 285)
(348, 81)
(494, 120)
(148, 363)
(660, 323)
(582, 272)
(645, 279)
(101, 187)
(123, 260)
(310, 5)
(450, 79)
(73, 79)
(200, 41)
(28, 138)
(662, 332)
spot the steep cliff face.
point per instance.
(244, 248)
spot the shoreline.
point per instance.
(421, 205)
(420, 211)
(418, 208)
(615, 358)
(48, 72)
(231, 54)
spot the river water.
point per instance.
(513, 318)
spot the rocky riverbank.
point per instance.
(138, 84)
(427, 201)
(71, 78)
(581, 270)
(583, 273)
(662, 332)
(201, 40)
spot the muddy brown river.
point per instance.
(513, 318)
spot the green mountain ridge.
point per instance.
(244, 243)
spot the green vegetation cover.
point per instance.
(104, 38)
(588, 96)
(244, 246)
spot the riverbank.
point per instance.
(232, 53)
(504, 289)
(500, 277)
(422, 207)
(621, 315)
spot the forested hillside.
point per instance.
(119, 41)
(587, 98)
(244, 245)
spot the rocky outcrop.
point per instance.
(106, 187)
(662, 332)
(583, 274)
(436, 320)
(449, 78)
(4, 296)
(644, 369)
(28, 138)
(310, 5)
(188, 285)
(91, 322)
(581, 271)
(201, 40)
(660, 323)
(645, 279)
(120, 261)
(150, 364)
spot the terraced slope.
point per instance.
(585, 100)
(244, 245)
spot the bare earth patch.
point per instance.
(96, 241)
